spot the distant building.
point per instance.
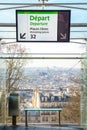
(53, 101)
(46, 100)
(36, 99)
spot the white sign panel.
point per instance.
(41, 25)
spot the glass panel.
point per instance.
(84, 91)
(46, 84)
(2, 92)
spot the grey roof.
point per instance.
(53, 98)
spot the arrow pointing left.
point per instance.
(22, 35)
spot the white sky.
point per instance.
(55, 63)
(55, 48)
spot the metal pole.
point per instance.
(86, 43)
(1, 43)
(26, 118)
(43, 3)
(13, 120)
(59, 119)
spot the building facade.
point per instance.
(47, 100)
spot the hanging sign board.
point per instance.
(43, 25)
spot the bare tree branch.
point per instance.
(14, 67)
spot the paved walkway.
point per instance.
(38, 128)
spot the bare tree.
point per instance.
(71, 112)
(14, 67)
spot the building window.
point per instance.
(42, 99)
(52, 98)
(45, 119)
(45, 99)
(53, 119)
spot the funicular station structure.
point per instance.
(78, 35)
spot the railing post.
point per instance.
(14, 120)
(59, 119)
(26, 118)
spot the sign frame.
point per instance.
(62, 35)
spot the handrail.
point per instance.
(43, 109)
(72, 25)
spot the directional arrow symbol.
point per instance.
(22, 35)
(63, 36)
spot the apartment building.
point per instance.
(46, 100)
